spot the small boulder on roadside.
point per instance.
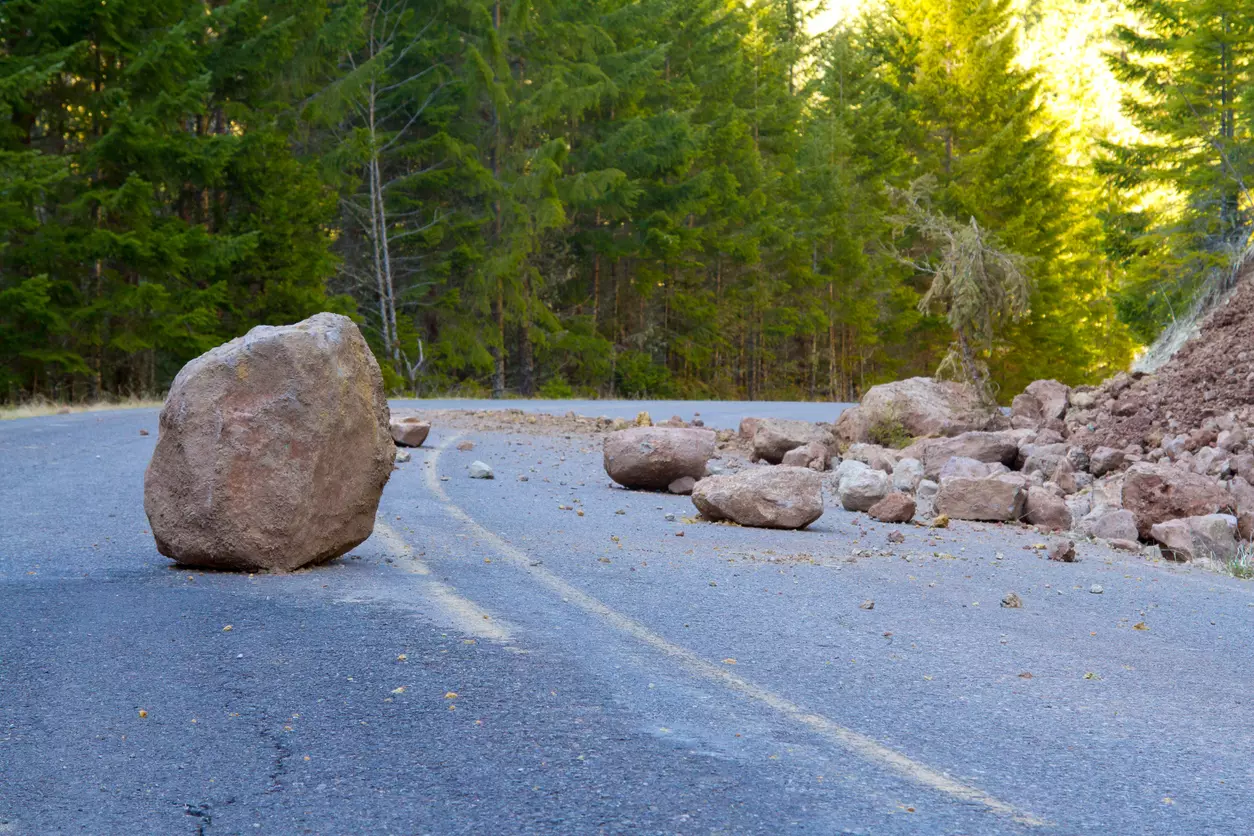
(1107, 523)
(480, 470)
(762, 497)
(776, 436)
(682, 486)
(1061, 550)
(987, 447)
(1157, 493)
(651, 458)
(991, 498)
(1046, 509)
(907, 474)
(1210, 536)
(862, 488)
(410, 431)
(813, 455)
(873, 456)
(896, 507)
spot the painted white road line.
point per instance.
(860, 744)
(461, 613)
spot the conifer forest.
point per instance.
(757, 199)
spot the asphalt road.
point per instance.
(491, 663)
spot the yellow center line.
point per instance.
(856, 742)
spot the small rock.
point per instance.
(402, 456)
(894, 508)
(868, 604)
(670, 517)
(409, 432)
(682, 486)
(522, 477)
(863, 488)
(896, 537)
(1061, 550)
(481, 470)
(1096, 589)
(466, 446)
(143, 432)
(1012, 601)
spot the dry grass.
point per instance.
(42, 406)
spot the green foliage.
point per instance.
(638, 376)
(610, 197)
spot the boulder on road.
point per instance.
(813, 455)
(1045, 509)
(987, 447)
(650, 458)
(776, 436)
(897, 507)
(682, 486)
(763, 497)
(410, 431)
(907, 474)
(918, 406)
(480, 470)
(273, 450)
(863, 488)
(991, 498)
(1210, 536)
(1110, 524)
(1156, 493)
(873, 456)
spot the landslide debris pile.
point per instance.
(1187, 494)
(1207, 387)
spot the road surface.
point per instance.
(491, 663)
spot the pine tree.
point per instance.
(1187, 72)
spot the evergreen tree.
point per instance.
(1188, 74)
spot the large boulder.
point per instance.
(919, 406)
(764, 497)
(993, 498)
(651, 458)
(988, 447)
(410, 431)
(1210, 536)
(776, 436)
(1157, 493)
(862, 489)
(273, 450)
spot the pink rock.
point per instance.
(273, 450)
(894, 508)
